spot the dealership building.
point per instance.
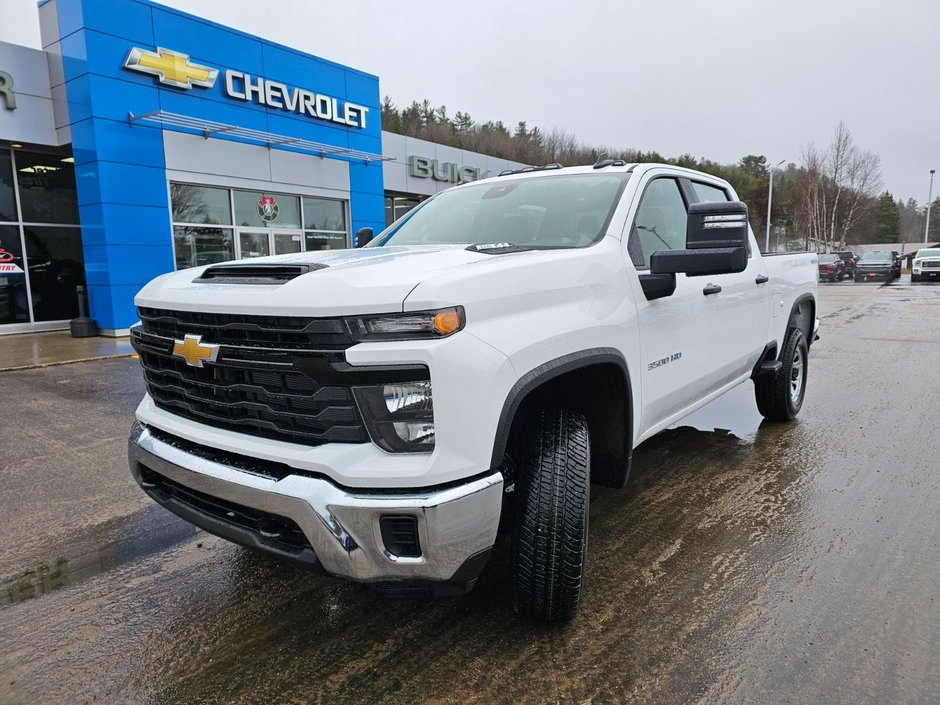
(141, 139)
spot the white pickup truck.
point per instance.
(381, 413)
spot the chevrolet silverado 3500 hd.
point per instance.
(379, 413)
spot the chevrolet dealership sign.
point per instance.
(172, 68)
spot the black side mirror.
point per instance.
(363, 237)
(715, 240)
(712, 225)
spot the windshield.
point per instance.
(827, 259)
(876, 257)
(537, 212)
(928, 253)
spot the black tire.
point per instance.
(549, 541)
(776, 395)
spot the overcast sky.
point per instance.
(717, 79)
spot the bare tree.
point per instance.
(837, 187)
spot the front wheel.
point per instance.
(780, 396)
(549, 542)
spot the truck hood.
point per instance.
(369, 280)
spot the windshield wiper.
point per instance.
(498, 248)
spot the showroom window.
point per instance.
(213, 224)
(41, 259)
(324, 224)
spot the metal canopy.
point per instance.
(209, 128)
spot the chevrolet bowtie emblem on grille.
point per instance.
(171, 68)
(194, 351)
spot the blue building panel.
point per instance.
(126, 19)
(137, 264)
(117, 224)
(122, 302)
(122, 184)
(295, 69)
(121, 169)
(207, 41)
(74, 56)
(99, 139)
(100, 302)
(362, 88)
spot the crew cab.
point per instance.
(383, 413)
(831, 267)
(926, 266)
(875, 265)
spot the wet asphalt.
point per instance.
(743, 563)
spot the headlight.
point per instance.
(399, 416)
(408, 326)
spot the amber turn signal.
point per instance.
(448, 321)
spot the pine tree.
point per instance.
(887, 219)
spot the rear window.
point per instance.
(827, 258)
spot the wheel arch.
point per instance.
(595, 382)
(802, 316)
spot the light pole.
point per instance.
(770, 200)
(929, 198)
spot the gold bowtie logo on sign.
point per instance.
(194, 351)
(171, 68)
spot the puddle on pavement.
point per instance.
(735, 412)
(146, 531)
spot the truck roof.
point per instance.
(615, 166)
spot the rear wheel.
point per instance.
(549, 542)
(780, 396)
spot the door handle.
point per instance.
(711, 289)
(761, 279)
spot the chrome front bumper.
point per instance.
(456, 526)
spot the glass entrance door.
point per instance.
(252, 243)
(260, 243)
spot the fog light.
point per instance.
(415, 431)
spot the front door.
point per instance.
(675, 362)
(251, 242)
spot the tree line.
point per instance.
(832, 198)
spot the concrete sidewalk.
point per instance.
(56, 348)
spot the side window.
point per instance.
(660, 222)
(709, 194)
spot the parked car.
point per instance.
(849, 258)
(875, 265)
(926, 265)
(897, 264)
(831, 267)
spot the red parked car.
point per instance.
(831, 267)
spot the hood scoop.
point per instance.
(255, 273)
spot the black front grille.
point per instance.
(250, 388)
(930, 264)
(262, 331)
